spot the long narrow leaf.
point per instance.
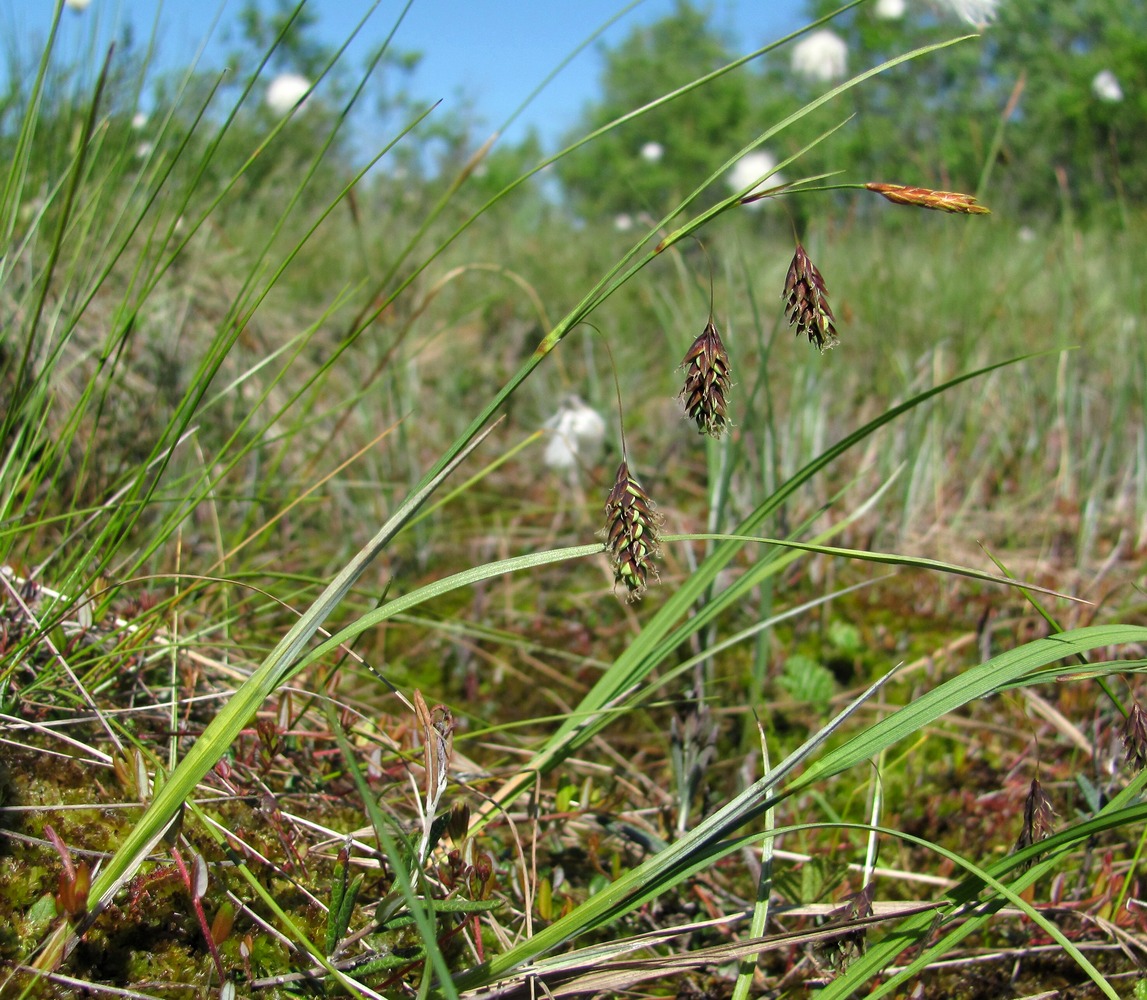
(638, 659)
(223, 729)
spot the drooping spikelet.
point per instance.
(631, 532)
(838, 953)
(806, 302)
(942, 201)
(1038, 815)
(1135, 737)
(706, 385)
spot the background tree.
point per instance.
(291, 34)
(682, 142)
(927, 122)
(934, 121)
(298, 49)
(1063, 128)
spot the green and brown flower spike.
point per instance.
(941, 201)
(707, 383)
(806, 302)
(631, 532)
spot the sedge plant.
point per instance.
(108, 240)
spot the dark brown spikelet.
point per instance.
(838, 953)
(955, 202)
(706, 386)
(631, 532)
(1135, 737)
(1038, 815)
(806, 302)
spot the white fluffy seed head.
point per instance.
(652, 152)
(821, 56)
(576, 433)
(980, 13)
(749, 168)
(285, 91)
(1105, 87)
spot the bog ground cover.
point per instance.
(375, 620)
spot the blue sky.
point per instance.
(495, 51)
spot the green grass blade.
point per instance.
(640, 657)
(971, 685)
(1120, 812)
(669, 866)
(243, 703)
